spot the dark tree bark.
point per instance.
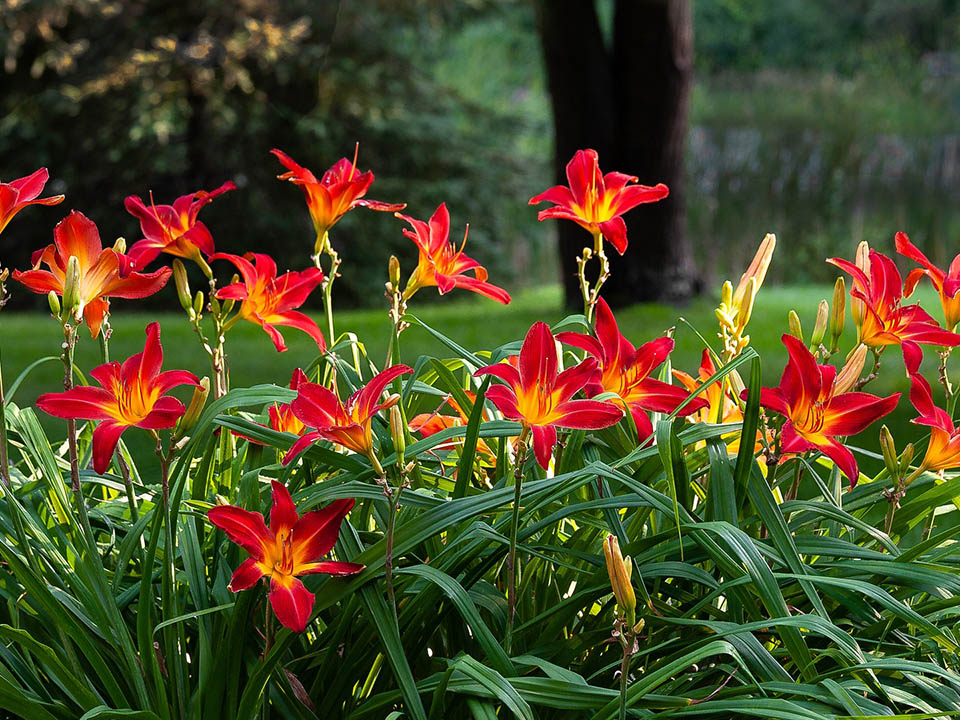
(628, 102)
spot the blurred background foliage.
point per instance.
(824, 122)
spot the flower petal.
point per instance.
(283, 513)
(245, 576)
(316, 532)
(292, 603)
(243, 527)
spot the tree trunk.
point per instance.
(629, 103)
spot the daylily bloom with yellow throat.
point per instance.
(173, 229)
(104, 273)
(268, 300)
(538, 397)
(341, 189)
(133, 394)
(596, 201)
(281, 416)
(442, 265)
(626, 370)
(815, 413)
(17, 194)
(884, 320)
(943, 452)
(291, 546)
(946, 283)
(346, 424)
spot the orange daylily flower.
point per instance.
(291, 546)
(130, 395)
(428, 424)
(104, 273)
(281, 417)
(173, 229)
(816, 413)
(17, 194)
(538, 397)
(346, 424)
(268, 300)
(946, 283)
(884, 320)
(626, 371)
(943, 452)
(596, 201)
(443, 266)
(341, 189)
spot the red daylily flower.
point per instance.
(537, 396)
(17, 194)
(292, 546)
(341, 189)
(596, 201)
(346, 424)
(816, 416)
(885, 320)
(946, 283)
(104, 273)
(268, 300)
(131, 395)
(442, 265)
(626, 371)
(943, 452)
(173, 229)
(281, 417)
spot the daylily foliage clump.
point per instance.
(573, 524)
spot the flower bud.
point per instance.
(72, 304)
(394, 271)
(4, 274)
(195, 407)
(120, 246)
(397, 432)
(889, 450)
(906, 457)
(757, 271)
(198, 303)
(54, 302)
(619, 572)
(746, 303)
(390, 401)
(726, 294)
(820, 324)
(857, 307)
(793, 323)
(838, 316)
(850, 372)
(182, 284)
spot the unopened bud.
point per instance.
(746, 303)
(394, 271)
(793, 324)
(4, 274)
(820, 324)
(889, 450)
(839, 312)
(182, 285)
(857, 307)
(71, 289)
(54, 302)
(120, 245)
(198, 303)
(850, 372)
(197, 402)
(906, 457)
(726, 294)
(221, 500)
(619, 573)
(391, 401)
(398, 433)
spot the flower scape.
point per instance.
(565, 526)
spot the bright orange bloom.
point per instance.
(537, 396)
(943, 452)
(173, 229)
(281, 417)
(721, 406)
(17, 194)
(292, 546)
(816, 414)
(626, 370)
(596, 201)
(885, 320)
(104, 273)
(428, 424)
(131, 395)
(347, 424)
(268, 300)
(341, 189)
(443, 266)
(946, 283)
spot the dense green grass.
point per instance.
(473, 322)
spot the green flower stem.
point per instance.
(520, 461)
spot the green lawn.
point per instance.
(474, 322)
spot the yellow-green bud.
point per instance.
(906, 457)
(397, 432)
(838, 316)
(198, 302)
(889, 450)
(726, 294)
(820, 324)
(394, 272)
(197, 402)
(71, 289)
(619, 573)
(793, 324)
(54, 302)
(182, 285)
(120, 245)
(746, 304)
(4, 274)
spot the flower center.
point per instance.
(284, 563)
